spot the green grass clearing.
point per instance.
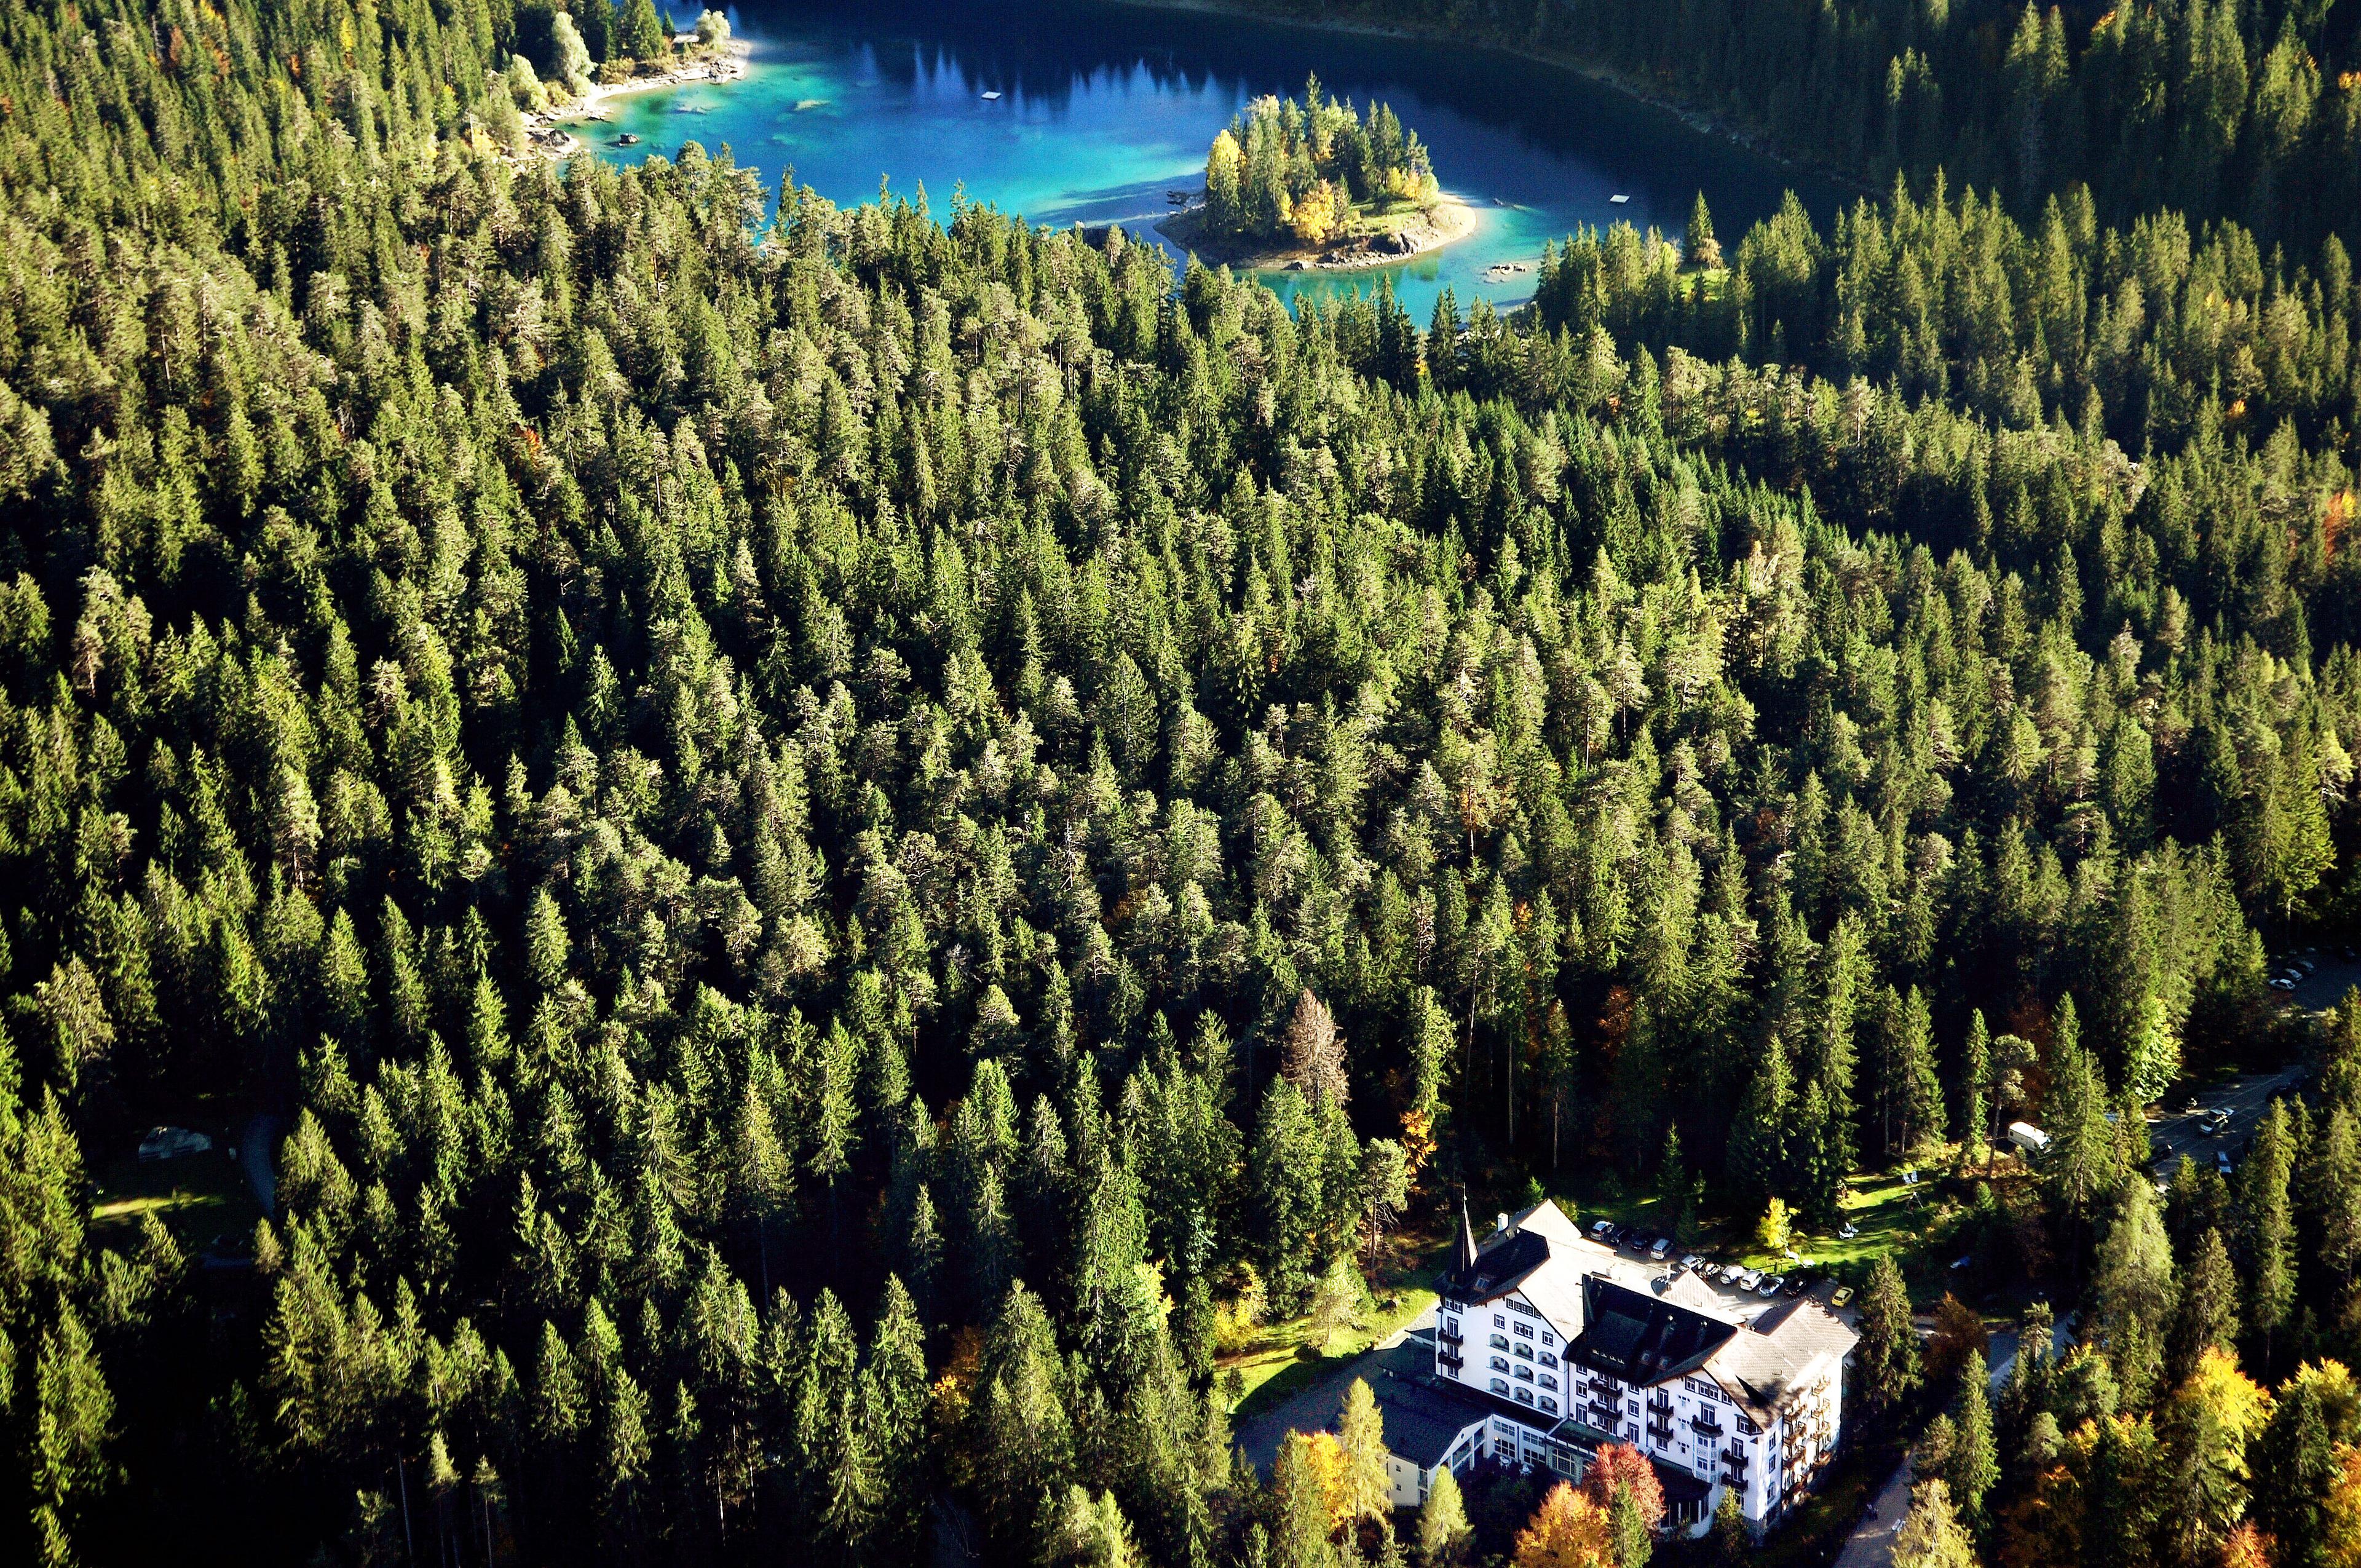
(199, 1196)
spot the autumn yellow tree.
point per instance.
(2207, 1425)
(1222, 181)
(1568, 1530)
(2340, 1521)
(1319, 212)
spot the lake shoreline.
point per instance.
(1604, 75)
(1447, 222)
(731, 65)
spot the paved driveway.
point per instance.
(258, 1146)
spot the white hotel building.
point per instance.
(1548, 1344)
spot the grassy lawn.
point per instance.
(199, 1196)
(1278, 1360)
(1886, 1217)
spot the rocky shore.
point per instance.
(1371, 243)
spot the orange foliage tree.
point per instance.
(1619, 1465)
(1568, 1530)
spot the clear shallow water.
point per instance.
(1104, 109)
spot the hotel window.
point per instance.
(1524, 1374)
(1525, 1352)
(1548, 1381)
(1548, 1338)
(1499, 1321)
(1524, 1396)
(1524, 1330)
(1549, 1404)
(1501, 1386)
(1499, 1341)
(1499, 1364)
(1548, 1360)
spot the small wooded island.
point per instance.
(1311, 185)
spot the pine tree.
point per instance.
(1974, 1461)
(2267, 1233)
(1702, 249)
(1759, 1155)
(1889, 1350)
(1442, 1519)
(1360, 1432)
(1931, 1535)
(642, 35)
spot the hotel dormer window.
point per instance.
(1524, 1330)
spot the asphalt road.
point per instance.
(257, 1144)
(2173, 1134)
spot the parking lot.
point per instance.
(2324, 987)
(1737, 1291)
(2176, 1132)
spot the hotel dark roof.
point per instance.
(1641, 1339)
(1423, 1420)
(1498, 1270)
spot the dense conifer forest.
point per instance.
(840, 837)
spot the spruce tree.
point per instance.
(1889, 1350)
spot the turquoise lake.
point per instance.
(1104, 109)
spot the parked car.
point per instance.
(171, 1143)
(1842, 1297)
(1769, 1286)
(1664, 1244)
(2221, 1162)
(2283, 984)
(1728, 1273)
(1692, 1261)
(1799, 1283)
(1749, 1279)
(1602, 1229)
